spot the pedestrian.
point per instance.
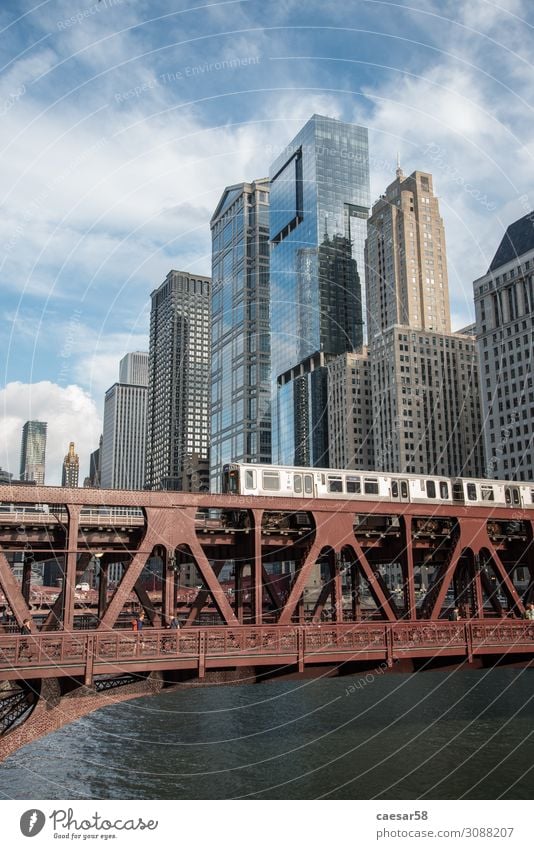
(134, 623)
(455, 615)
(26, 629)
(529, 613)
(140, 621)
(174, 624)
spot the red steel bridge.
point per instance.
(261, 587)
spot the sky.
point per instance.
(122, 121)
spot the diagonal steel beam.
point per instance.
(300, 583)
(12, 591)
(375, 584)
(204, 567)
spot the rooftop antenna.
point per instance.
(399, 172)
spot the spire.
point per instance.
(399, 172)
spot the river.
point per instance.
(434, 735)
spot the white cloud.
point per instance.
(71, 415)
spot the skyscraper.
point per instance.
(124, 430)
(406, 265)
(241, 361)
(33, 451)
(71, 468)
(425, 379)
(504, 303)
(179, 383)
(319, 208)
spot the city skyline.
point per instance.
(425, 85)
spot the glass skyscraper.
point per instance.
(33, 451)
(241, 354)
(319, 207)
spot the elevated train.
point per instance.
(300, 482)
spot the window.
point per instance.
(370, 486)
(353, 484)
(431, 489)
(308, 484)
(335, 483)
(443, 489)
(394, 489)
(487, 493)
(271, 481)
(471, 492)
(297, 483)
(250, 479)
(404, 489)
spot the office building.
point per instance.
(93, 478)
(406, 265)
(177, 453)
(504, 305)
(350, 413)
(319, 204)
(425, 379)
(241, 352)
(33, 452)
(71, 468)
(426, 405)
(124, 430)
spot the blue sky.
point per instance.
(123, 120)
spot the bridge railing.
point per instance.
(63, 652)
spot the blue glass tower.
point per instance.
(318, 213)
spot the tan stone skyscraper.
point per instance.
(406, 264)
(426, 416)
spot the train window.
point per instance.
(370, 486)
(271, 481)
(431, 489)
(335, 483)
(487, 493)
(515, 495)
(353, 484)
(232, 481)
(394, 489)
(308, 484)
(507, 496)
(443, 489)
(297, 483)
(404, 489)
(250, 479)
(472, 491)
(532, 495)
(457, 491)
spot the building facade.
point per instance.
(124, 430)
(405, 255)
(33, 452)
(319, 205)
(426, 405)
(504, 305)
(426, 409)
(241, 351)
(350, 412)
(177, 442)
(71, 468)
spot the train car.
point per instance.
(300, 482)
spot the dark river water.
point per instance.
(435, 735)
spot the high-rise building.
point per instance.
(93, 479)
(33, 451)
(177, 447)
(5, 477)
(124, 430)
(241, 351)
(71, 468)
(133, 369)
(425, 379)
(406, 265)
(426, 407)
(504, 304)
(319, 204)
(350, 412)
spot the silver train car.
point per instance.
(299, 482)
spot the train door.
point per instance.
(400, 490)
(511, 496)
(308, 486)
(297, 484)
